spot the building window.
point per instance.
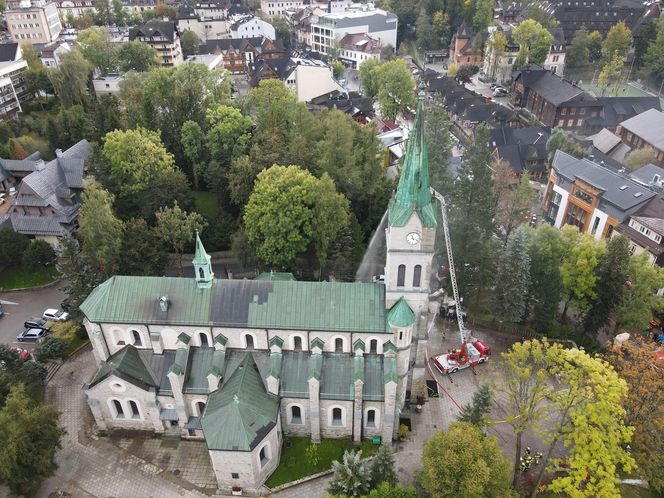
(609, 232)
(204, 339)
(117, 407)
(133, 408)
(563, 111)
(137, 338)
(296, 415)
(555, 58)
(561, 123)
(373, 346)
(595, 226)
(371, 418)
(572, 111)
(579, 122)
(583, 196)
(249, 341)
(235, 475)
(297, 343)
(576, 216)
(401, 275)
(337, 415)
(264, 456)
(582, 111)
(417, 275)
(338, 345)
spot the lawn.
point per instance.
(295, 465)
(16, 277)
(206, 204)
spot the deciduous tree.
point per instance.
(177, 228)
(194, 146)
(229, 132)
(440, 29)
(617, 42)
(534, 41)
(70, 79)
(79, 273)
(396, 88)
(369, 77)
(641, 157)
(142, 251)
(653, 60)
(97, 49)
(190, 42)
(561, 140)
(578, 55)
(640, 297)
(137, 56)
(611, 73)
(595, 46)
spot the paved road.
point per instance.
(30, 303)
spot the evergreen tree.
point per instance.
(79, 273)
(382, 467)
(477, 410)
(561, 140)
(653, 60)
(611, 274)
(578, 54)
(352, 476)
(424, 30)
(513, 277)
(546, 254)
(438, 134)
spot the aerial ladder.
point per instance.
(471, 351)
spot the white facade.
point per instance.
(277, 8)
(363, 18)
(52, 60)
(107, 85)
(205, 29)
(36, 22)
(13, 86)
(310, 79)
(251, 28)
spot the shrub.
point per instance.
(313, 455)
(351, 476)
(38, 254)
(51, 348)
(12, 245)
(403, 431)
(66, 331)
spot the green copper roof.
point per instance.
(390, 370)
(129, 365)
(401, 315)
(240, 414)
(200, 362)
(287, 305)
(276, 275)
(200, 257)
(413, 192)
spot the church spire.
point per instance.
(202, 265)
(413, 192)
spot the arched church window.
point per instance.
(250, 341)
(338, 345)
(204, 340)
(297, 343)
(417, 275)
(373, 346)
(137, 338)
(201, 273)
(401, 275)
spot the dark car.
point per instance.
(37, 323)
(31, 335)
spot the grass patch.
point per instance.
(16, 277)
(74, 344)
(206, 204)
(294, 463)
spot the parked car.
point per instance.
(56, 315)
(500, 92)
(66, 305)
(31, 335)
(493, 86)
(37, 323)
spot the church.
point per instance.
(241, 363)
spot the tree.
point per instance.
(386, 490)
(190, 42)
(396, 89)
(546, 255)
(382, 467)
(12, 246)
(100, 229)
(477, 410)
(586, 415)
(289, 211)
(641, 157)
(51, 348)
(534, 41)
(80, 274)
(611, 73)
(97, 49)
(462, 462)
(578, 55)
(177, 227)
(39, 254)
(338, 69)
(611, 273)
(70, 79)
(497, 44)
(119, 13)
(527, 386)
(640, 297)
(541, 15)
(103, 15)
(581, 256)
(617, 42)
(512, 278)
(229, 132)
(635, 362)
(18, 371)
(163, 11)
(595, 46)
(142, 251)
(351, 475)
(465, 72)
(439, 141)
(194, 146)
(441, 29)
(561, 140)
(483, 15)
(137, 56)
(369, 77)
(653, 60)
(282, 30)
(513, 203)
(29, 436)
(424, 30)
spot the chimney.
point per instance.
(163, 303)
(58, 152)
(329, 6)
(40, 165)
(591, 157)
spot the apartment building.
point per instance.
(163, 37)
(645, 130)
(33, 22)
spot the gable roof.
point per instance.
(154, 28)
(291, 305)
(551, 87)
(239, 415)
(616, 109)
(9, 52)
(648, 125)
(129, 365)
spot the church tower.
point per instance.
(202, 266)
(411, 229)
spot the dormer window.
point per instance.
(164, 303)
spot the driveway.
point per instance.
(30, 303)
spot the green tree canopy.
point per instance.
(351, 475)
(561, 140)
(97, 49)
(595, 46)
(534, 41)
(177, 228)
(546, 255)
(396, 88)
(70, 79)
(653, 60)
(229, 132)
(581, 256)
(617, 42)
(640, 297)
(578, 55)
(190, 42)
(369, 77)
(137, 56)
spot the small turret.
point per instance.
(202, 265)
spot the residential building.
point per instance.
(211, 61)
(13, 84)
(592, 197)
(47, 200)
(75, 8)
(355, 105)
(555, 101)
(12, 170)
(523, 148)
(243, 363)
(163, 36)
(645, 228)
(555, 59)
(357, 19)
(467, 46)
(645, 130)
(252, 27)
(277, 8)
(108, 84)
(618, 109)
(357, 48)
(206, 28)
(51, 53)
(610, 144)
(300, 22)
(33, 21)
(240, 53)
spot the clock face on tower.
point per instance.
(413, 238)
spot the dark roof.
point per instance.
(281, 67)
(186, 11)
(617, 109)
(551, 87)
(649, 126)
(154, 28)
(8, 52)
(646, 174)
(640, 238)
(517, 146)
(238, 9)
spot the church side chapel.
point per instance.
(240, 363)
